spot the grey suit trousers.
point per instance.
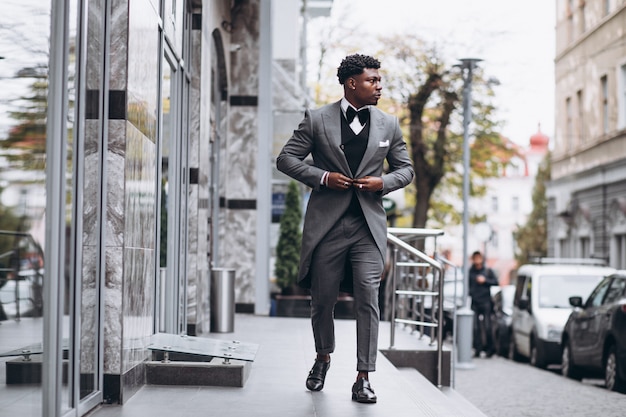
(349, 240)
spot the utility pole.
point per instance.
(465, 315)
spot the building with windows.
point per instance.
(135, 158)
(587, 194)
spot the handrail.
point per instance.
(398, 243)
(454, 320)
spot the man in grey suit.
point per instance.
(345, 226)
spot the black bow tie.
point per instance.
(364, 115)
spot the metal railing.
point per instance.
(412, 291)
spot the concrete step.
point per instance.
(444, 402)
(276, 383)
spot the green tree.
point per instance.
(25, 143)
(532, 238)
(430, 91)
(289, 240)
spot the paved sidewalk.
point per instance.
(276, 383)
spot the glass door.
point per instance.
(171, 198)
(89, 169)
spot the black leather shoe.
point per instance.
(315, 380)
(362, 392)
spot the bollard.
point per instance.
(465, 327)
(222, 300)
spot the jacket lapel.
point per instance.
(332, 128)
(377, 134)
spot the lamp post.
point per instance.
(465, 315)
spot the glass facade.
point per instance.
(114, 205)
(94, 185)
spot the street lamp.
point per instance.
(465, 315)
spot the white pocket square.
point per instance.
(383, 144)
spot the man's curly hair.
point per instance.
(354, 65)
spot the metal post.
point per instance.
(392, 319)
(465, 314)
(56, 169)
(264, 158)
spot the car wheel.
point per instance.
(568, 368)
(513, 353)
(536, 356)
(612, 380)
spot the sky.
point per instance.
(514, 39)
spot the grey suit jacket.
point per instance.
(319, 134)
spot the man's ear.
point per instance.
(351, 83)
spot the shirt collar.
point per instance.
(345, 104)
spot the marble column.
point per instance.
(239, 216)
(131, 195)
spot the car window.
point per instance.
(519, 288)
(595, 299)
(616, 291)
(555, 290)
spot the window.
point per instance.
(569, 128)
(607, 7)
(605, 103)
(564, 248)
(616, 291)
(622, 101)
(581, 118)
(584, 247)
(494, 204)
(620, 251)
(581, 21)
(515, 204)
(555, 290)
(570, 21)
(595, 299)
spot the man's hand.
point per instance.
(338, 181)
(481, 279)
(372, 184)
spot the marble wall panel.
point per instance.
(118, 44)
(203, 312)
(192, 254)
(89, 323)
(95, 25)
(140, 195)
(138, 305)
(113, 312)
(245, 60)
(242, 153)
(116, 154)
(238, 249)
(92, 182)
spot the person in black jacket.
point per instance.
(481, 278)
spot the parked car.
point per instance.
(541, 305)
(21, 277)
(594, 339)
(452, 297)
(502, 318)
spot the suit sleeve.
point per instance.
(291, 158)
(400, 166)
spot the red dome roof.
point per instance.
(539, 140)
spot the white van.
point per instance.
(541, 305)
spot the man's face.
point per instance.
(477, 260)
(366, 88)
